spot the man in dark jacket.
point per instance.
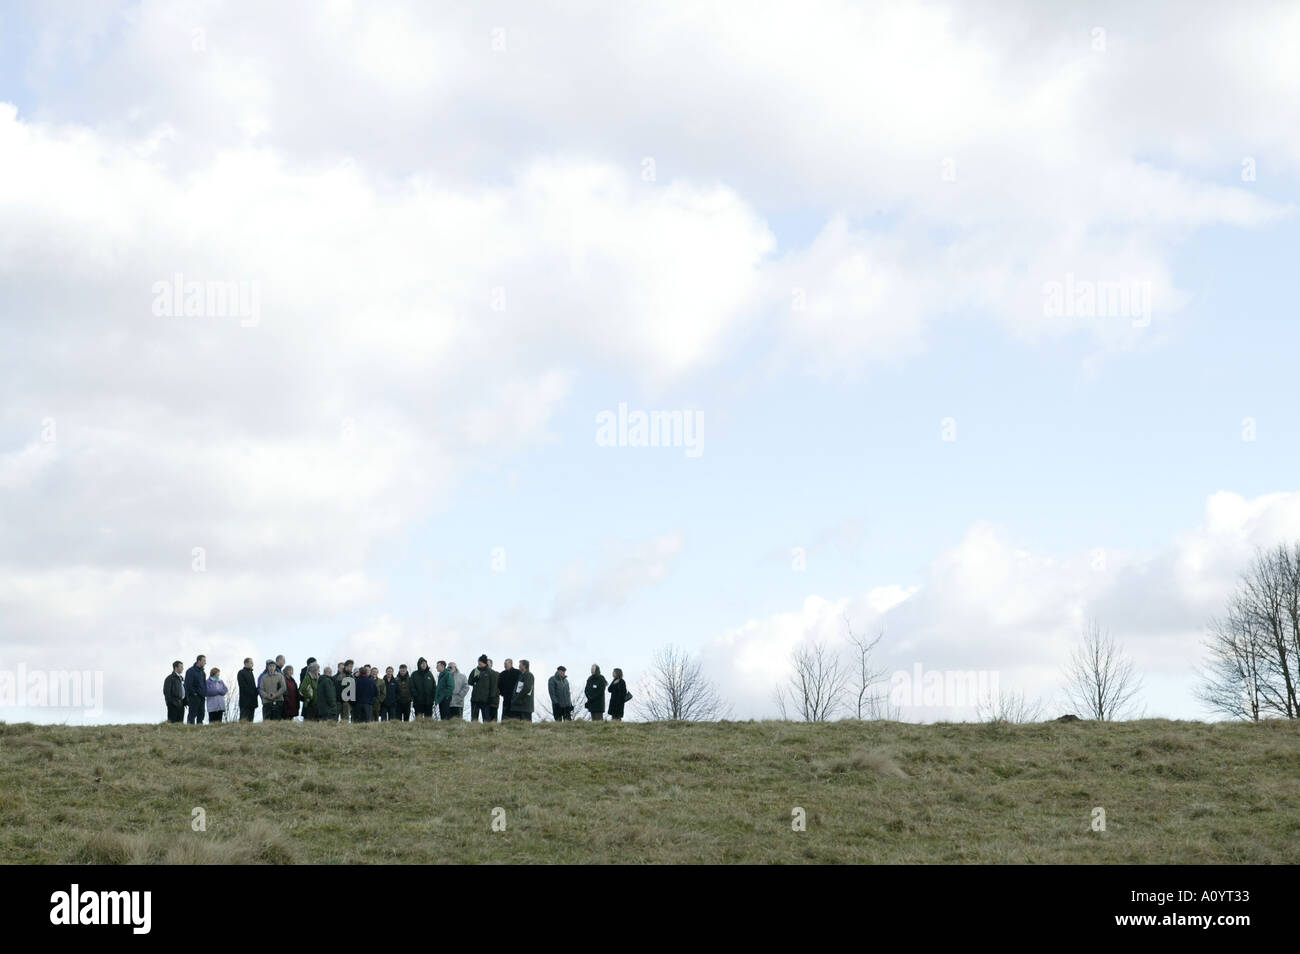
(486, 686)
(521, 705)
(327, 697)
(557, 687)
(388, 706)
(595, 693)
(507, 680)
(174, 693)
(423, 689)
(363, 709)
(404, 693)
(196, 691)
(247, 692)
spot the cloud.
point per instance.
(621, 571)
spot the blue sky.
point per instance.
(350, 464)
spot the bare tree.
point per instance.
(1254, 667)
(867, 685)
(1100, 680)
(1008, 707)
(679, 689)
(816, 688)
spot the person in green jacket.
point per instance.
(423, 689)
(595, 690)
(327, 697)
(446, 686)
(482, 700)
(307, 690)
(522, 703)
(381, 693)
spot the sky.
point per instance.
(981, 314)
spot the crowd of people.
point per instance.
(347, 694)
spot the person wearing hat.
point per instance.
(561, 700)
(484, 680)
(271, 689)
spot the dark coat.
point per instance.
(366, 691)
(247, 689)
(196, 682)
(486, 683)
(506, 682)
(404, 688)
(522, 700)
(618, 696)
(174, 689)
(290, 697)
(595, 690)
(423, 686)
(327, 698)
(391, 694)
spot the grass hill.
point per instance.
(1173, 792)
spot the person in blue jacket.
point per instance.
(367, 693)
(196, 691)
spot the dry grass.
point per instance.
(1174, 792)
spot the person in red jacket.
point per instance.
(290, 694)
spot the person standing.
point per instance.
(271, 689)
(366, 695)
(459, 692)
(247, 692)
(485, 682)
(445, 690)
(561, 700)
(618, 696)
(507, 680)
(196, 691)
(521, 704)
(290, 694)
(404, 693)
(391, 693)
(595, 692)
(327, 697)
(347, 690)
(216, 696)
(381, 692)
(307, 690)
(423, 689)
(174, 693)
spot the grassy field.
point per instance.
(1173, 792)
